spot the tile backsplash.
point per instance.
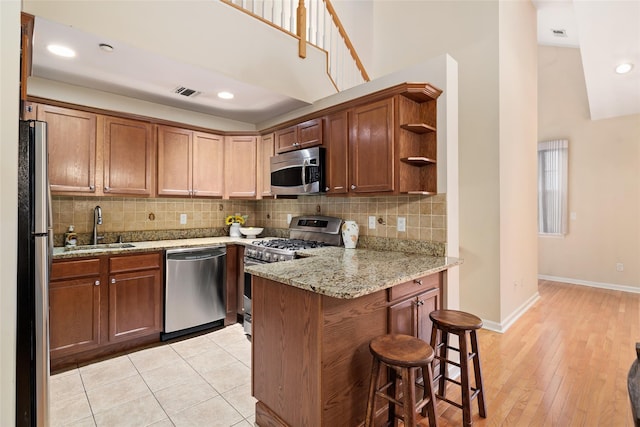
(425, 216)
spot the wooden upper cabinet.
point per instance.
(26, 52)
(240, 164)
(266, 151)
(303, 135)
(337, 142)
(129, 154)
(208, 165)
(371, 147)
(174, 161)
(71, 136)
(189, 163)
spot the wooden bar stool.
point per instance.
(403, 355)
(463, 325)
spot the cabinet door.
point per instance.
(402, 317)
(208, 165)
(240, 166)
(135, 304)
(310, 133)
(74, 306)
(71, 136)
(371, 148)
(286, 139)
(267, 150)
(426, 303)
(128, 157)
(74, 316)
(174, 161)
(26, 52)
(337, 139)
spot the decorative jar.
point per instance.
(350, 232)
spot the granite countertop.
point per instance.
(151, 246)
(351, 273)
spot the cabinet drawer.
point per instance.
(122, 264)
(413, 287)
(74, 269)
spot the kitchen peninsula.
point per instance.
(313, 318)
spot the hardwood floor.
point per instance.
(563, 363)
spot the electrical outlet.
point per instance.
(619, 266)
(372, 222)
(183, 219)
(289, 216)
(402, 223)
(573, 216)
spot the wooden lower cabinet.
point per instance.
(74, 306)
(135, 296)
(311, 359)
(410, 305)
(103, 305)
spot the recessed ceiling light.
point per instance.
(59, 50)
(106, 47)
(624, 68)
(225, 95)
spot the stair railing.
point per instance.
(317, 24)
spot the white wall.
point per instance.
(9, 82)
(518, 159)
(405, 32)
(604, 180)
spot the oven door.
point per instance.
(298, 172)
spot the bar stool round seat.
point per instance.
(403, 355)
(464, 325)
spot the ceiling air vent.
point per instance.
(185, 91)
(559, 33)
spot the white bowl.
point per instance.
(251, 231)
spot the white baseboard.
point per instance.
(511, 319)
(602, 285)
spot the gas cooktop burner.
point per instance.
(289, 244)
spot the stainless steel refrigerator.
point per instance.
(35, 247)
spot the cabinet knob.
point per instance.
(418, 282)
(107, 188)
(194, 192)
(326, 189)
(353, 187)
(420, 302)
(113, 280)
(97, 283)
(92, 187)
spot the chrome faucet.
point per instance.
(97, 220)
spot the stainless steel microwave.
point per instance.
(298, 172)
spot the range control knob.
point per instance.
(267, 256)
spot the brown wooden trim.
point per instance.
(416, 91)
(26, 51)
(123, 115)
(347, 41)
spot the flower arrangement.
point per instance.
(237, 218)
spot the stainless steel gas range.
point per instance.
(305, 232)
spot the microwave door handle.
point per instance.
(305, 162)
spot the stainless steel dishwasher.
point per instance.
(194, 297)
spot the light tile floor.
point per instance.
(201, 381)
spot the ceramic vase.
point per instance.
(350, 232)
(234, 230)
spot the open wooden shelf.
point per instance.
(418, 127)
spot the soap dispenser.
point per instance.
(70, 237)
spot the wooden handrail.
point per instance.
(347, 41)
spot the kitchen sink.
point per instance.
(99, 247)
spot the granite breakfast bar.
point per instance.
(313, 318)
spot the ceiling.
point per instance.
(607, 32)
